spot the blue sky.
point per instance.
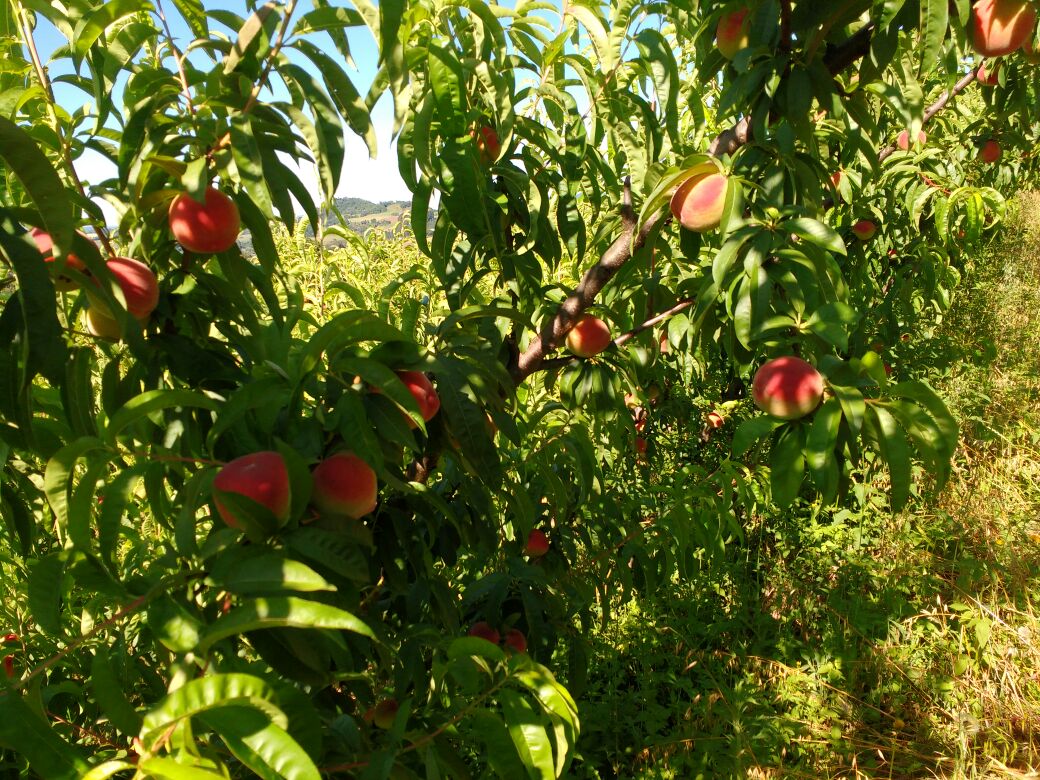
(375, 180)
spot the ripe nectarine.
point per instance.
(382, 714)
(986, 77)
(537, 543)
(515, 640)
(998, 27)
(421, 388)
(205, 228)
(787, 388)
(45, 244)
(699, 201)
(903, 139)
(100, 325)
(138, 283)
(262, 477)
(488, 145)
(732, 34)
(864, 230)
(345, 485)
(990, 151)
(483, 630)
(589, 336)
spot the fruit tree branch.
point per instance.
(594, 280)
(656, 320)
(935, 108)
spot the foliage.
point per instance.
(159, 640)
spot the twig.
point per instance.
(177, 57)
(665, 315)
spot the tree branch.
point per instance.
(935, 108)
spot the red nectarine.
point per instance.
(138, 283)
(262, 477)
(483, 630)
(589, 336)
(345, 485)
(45, 244)
(515, 640)
(421, 388)
(537, 543)
(732, 33)
(382, 714)
(787, 388)
(990, 151)
(903, 139)
(488, 145)
(205, 228)
(864, 230)
(998, 27)
(699, 201)
(100, 325)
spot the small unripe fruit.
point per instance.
(345, 485)
(998, 27)
(787, 388)
(537, 543)
(732, 33)
(205, 228)
(421, 388)
(9, 639)
(515, 640)
(699, 201)
(589, 336)
(488, 145)
(262, 477)
(990, 151)
(903, 139)
(382, 714)
(864, 230)
(138, 283)
(483, 630)
(45, 244)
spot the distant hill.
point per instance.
(360, 216)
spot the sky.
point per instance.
(362, 177)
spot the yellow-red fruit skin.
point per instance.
(488, 145)
(421, 388)
(345, 485)
(998, 27)
(589, 336)
(903, 140)
(699, 202)
(138, 283)
(787, 388)
(990, 151)
(101, 326)
(205, 228)
(732, 33)
(864, 230)
(45, 244)
(260, 476)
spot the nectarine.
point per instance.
(864, 230)
(537, 543)
(488, 145)
(138, 283)
(589, 336)
(515, 640)
(483, 630)
(45, 244)
(787, 388)
(205, 228)
(101, 326)
(262, 477)
(732, 34)
(699, 201)
(990, 151)
(986, 77)
(345, 485)
(382, 714)
(421, 388)
(903, 139)
(998, 27)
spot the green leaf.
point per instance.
(266, 573)
(28, 735)
(895, 451)
(816, 232)
(170, 769)
(46, 585)
(247, 36)
(153, 401)
(752, 430)
(93, 26)
(41, 181)
(280, 612)
(935, 21)
(787, 466)
(108, 692)
(260, 745)
(528, 733)
(820, 445)
(210, 693)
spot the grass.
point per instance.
(862, 645)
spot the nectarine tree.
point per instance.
(182, 437)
